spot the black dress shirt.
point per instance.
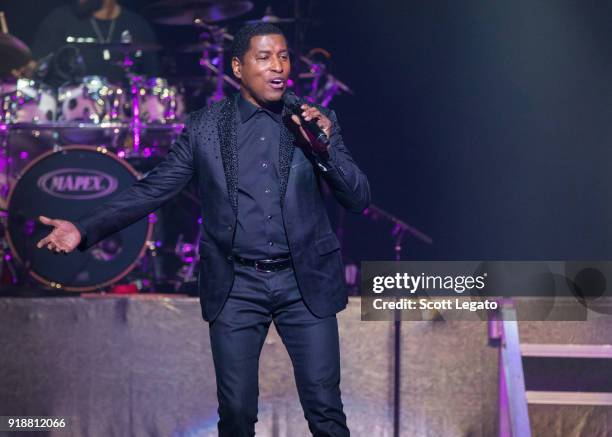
(260, 231)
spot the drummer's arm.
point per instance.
(143, 197)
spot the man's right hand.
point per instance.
(64, 238)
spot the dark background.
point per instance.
(486, 125)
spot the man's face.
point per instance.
(264, 69)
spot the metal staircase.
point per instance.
(513, 396)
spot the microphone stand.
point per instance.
(399, 231)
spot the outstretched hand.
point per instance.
(64, 237)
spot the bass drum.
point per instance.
(66, 184)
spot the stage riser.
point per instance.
(142, 366)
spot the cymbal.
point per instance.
(195, 12)
(13, 52)
(273, 19)
(126, 47)
(270, 17)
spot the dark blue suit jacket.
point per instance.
(207, 150)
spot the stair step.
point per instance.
(568, 398)
(566, 350)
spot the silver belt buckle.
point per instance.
(261, 269)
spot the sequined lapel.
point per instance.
(228, 133)
(285, 150)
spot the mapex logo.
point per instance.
(77, 183)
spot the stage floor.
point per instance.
(141, 366)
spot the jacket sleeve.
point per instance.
(348, 183)
(162, 183)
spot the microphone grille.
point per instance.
(290, 99)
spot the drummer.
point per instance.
(104, 21)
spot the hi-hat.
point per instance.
(126, 47)
(195, 12)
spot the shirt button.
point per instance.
(229, 228)
(267, 191)
(270, 243)
(269, 217)
(262, 138)
(264, 164)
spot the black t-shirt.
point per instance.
(63, 22)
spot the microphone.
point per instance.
(293, 103)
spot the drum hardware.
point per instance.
(214, 47)
(126, 45)
(323, 86)
(137, 122)
(126, 105)
(5, 164)
(67, 183)
(269, 17)
(318, 73)
(64, 65)
(194, 12)
(188, 254)
(227, 79)
(8, 270)
(399, 229)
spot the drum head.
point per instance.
(66, 185)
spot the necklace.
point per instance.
(94, 24)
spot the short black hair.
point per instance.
(242, 39)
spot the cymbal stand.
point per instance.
(9, 109)
(6, 258)
(218, 37)
(135, 82)
(398, 232)
(318, 71)
(204, 62)
(189, 254)
(216, 64)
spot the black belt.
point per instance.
(265, 265)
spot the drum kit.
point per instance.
(67, 149)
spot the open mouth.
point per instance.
(277, 83)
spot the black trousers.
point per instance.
(237, 336)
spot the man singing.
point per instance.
(268, 252)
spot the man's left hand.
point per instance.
(312, 113)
